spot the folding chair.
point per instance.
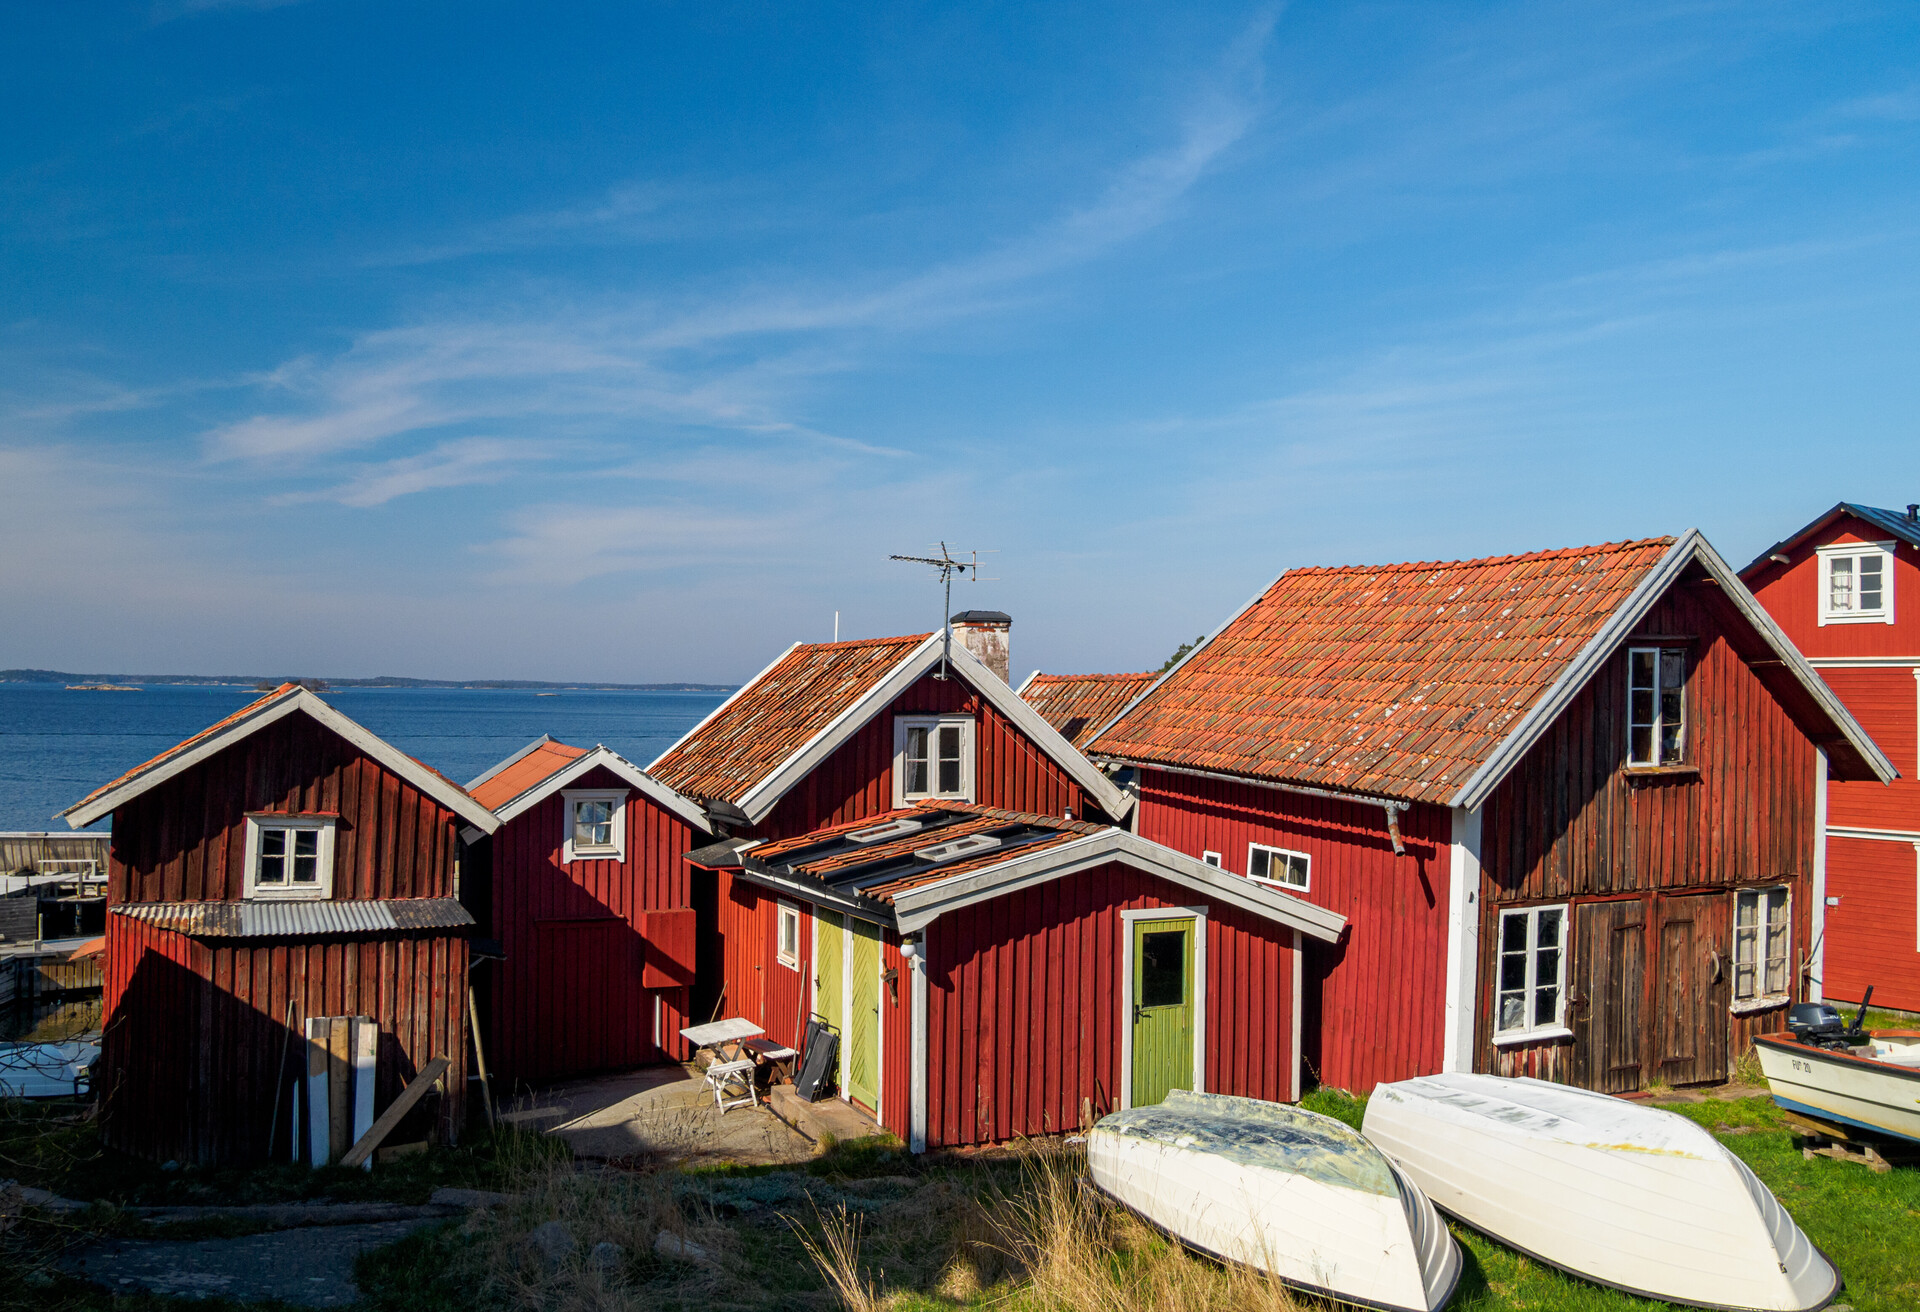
(724, 1073)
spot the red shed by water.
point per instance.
(282, 864)
(1026, 972)
(1846, 588)
(1566, 801)
(586, 889)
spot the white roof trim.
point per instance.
(916, 908)
(440, 789)
(1021, 691)
(1690, 547)
(737, 693)
(604, 757)
(760, 800)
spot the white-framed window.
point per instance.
(596, 824)
(787, 935)
(1211, 858)
(1762, 944)
(1531, 1000)
(1856, 583)
(1656, 705)
(1278, 866)
(289, 856)
(932, 758)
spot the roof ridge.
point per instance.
(1553, 553)
(862, 642)
(1081, 678)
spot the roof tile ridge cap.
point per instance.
(847, 643)
(1545, 553)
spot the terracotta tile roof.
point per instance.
(187, 744)
(770, 719)
(1078, 704)
(880, 870)
(1390, 680)
(544, 760)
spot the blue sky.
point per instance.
(626, 342)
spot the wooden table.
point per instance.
(777, 1055)
(716, 1033)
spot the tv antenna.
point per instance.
(946, 564)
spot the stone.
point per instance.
(553, 1243)
(607, 1257)
(450, 1197)
(672, 1246)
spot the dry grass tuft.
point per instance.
(836, 1253)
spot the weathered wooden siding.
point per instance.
(1873, 936)
(1023, 1006)
(185, 840)
(195, 1033)
(569, 998)
(857, 780)
(1375, 1002)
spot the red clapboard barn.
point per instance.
(587, 892)
(1846, 589)
(1543, 790)
(1078, 704)
(281, 864)
(832, 733)
(1029, 972)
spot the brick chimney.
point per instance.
(984, 633)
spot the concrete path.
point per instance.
(657, 1111)
(312, 1266)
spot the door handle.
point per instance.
(1715, 977)
(1138, 1012)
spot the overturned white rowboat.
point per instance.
(1284, 1190)
(1620, 1194)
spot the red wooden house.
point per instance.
(586, 888)
(1544, 790)
(1025, 972)
(833, 733)
(281, 864)
(1078, 704)
(1846, 589)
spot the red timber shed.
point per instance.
(1846, 589)
(1079, 704)
(587, 891)
(1032, 971)
(281, 864)
(833, 733)
(1544, 789)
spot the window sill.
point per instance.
(914, 799)
(1661, 771)
(1532, 1036)
(1766, 1002)
(791, 963)
(276, 895)
(1877, 618)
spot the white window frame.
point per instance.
(1855, 551)
(615, 851)
(1658, 758)
(933, 723)
(321, 888)
(1212, 859)
(1759, 996)
(785, 914)
(1306, 878)
(1533, 1030)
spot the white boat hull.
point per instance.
(1383, 1249)
(1617, 1193)
(1880, 1093)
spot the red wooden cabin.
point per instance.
(586, 889)
(1543, 789)
(1026, 972)
(1846, 589)
(832, 733)
(281, 864)
(1079, 704)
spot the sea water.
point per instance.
(57, 745)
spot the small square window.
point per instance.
(595, 820)
(1656, 705)
(289, 856)
(1856, 583)
(933, 758)
(1278, 866)
(1211, 858)
(1531, 982)
(787, 947)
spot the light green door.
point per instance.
(1162, 1009)
(863, 1013)
(829, 949)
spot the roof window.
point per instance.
(881, 833)
(959, 847)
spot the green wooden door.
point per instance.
(863, 1013)
(829, 998)
(1162, 1009)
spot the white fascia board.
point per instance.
(808, 889)
(1179, 665)
(1021, 691)
(604, 757)
(491, 771)
(736, 695)
(918, 907)
(440, 789)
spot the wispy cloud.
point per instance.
(459, 463)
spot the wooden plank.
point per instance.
(319, 1030)
(339, 1079)
(391, 1117)
(366, 1041)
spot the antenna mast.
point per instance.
(946, 565)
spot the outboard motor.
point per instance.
(1817, 1023)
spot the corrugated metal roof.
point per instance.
(1393, 680)
(292, 919)
(1078, 704)
(545, 759)
(776, 715)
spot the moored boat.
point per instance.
(1868, 1079)
(1282, 1189)
(1614, 1192)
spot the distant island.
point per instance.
(120, 682)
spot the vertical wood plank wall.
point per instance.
(1375, 1001)
(553, 1016)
